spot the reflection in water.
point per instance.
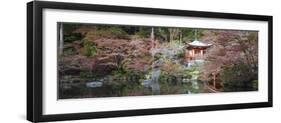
(156, 71)
(155, 81)
(134, 88)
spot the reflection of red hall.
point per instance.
(195, 50)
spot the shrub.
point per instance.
(72, 37)
(111, 32)
(87, 75)
(255, 84)
(180, 54)
(69, 52)
(89, 48)
(171, 68)
(238, 77)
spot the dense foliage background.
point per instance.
(120, 57)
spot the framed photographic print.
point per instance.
(96, 61)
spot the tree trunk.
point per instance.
(171, 34)
(152, 33)
(214, 80)
(179, 37)
(152, 37)
(60, 39)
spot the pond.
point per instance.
(130, 88)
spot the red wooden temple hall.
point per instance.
(195, 51)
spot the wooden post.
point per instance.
(186, 53)
(201, 52)
(193, 53)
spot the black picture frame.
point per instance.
(35, 69)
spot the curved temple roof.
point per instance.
(197, 43)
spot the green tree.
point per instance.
(144, 32)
